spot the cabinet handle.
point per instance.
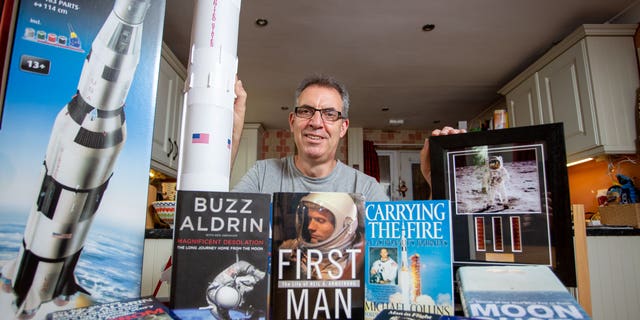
(170, 150)
(177, 150)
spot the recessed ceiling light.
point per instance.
(261, 22)
(428, 27)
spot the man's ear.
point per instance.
(344, 127)
(291, 118)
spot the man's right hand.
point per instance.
(239, 109)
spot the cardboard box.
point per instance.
(621, 215)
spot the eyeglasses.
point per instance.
(307, 112)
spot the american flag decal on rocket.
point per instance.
(200, 138)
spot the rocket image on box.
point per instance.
(207, 122)
(86, 139)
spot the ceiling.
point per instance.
(379, 50)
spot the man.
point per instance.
(326, 221)
(319, 120)
(384, 270)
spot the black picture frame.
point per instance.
(529, 221)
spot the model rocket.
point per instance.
(85, 142)
(207, 121)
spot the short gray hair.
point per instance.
(327, 82)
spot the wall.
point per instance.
(276, 143)
(585, 179)
(397, 138)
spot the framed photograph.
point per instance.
(509, 194)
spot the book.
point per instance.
(392, 314)
(220, 255)
(317, 256)
(128, 309)
(516, 292)
(408, 257)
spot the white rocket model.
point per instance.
(85, 141)
(207, 122)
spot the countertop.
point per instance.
(158, 234)
(611, 231)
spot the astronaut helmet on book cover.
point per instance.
(326, 221)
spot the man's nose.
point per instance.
(316, 119)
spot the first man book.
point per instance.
(317, 256)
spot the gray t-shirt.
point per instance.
(281, 175)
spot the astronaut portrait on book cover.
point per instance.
(326, 224)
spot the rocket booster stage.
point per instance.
(207, 121)
(85, 141)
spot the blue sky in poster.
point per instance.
(33, 100)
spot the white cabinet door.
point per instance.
(248, 151)
(523, 104)
(566, 97)
(157, 253)
(166, 131)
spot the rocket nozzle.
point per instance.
(131, 11)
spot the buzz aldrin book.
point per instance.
(408, 257)
(220, 255)
(516, 292)
(317, 256)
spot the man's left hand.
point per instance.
(425, 154)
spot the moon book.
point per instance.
(220, 255)
(317, 256)
(408, 257)
(516, 292)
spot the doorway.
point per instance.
(400, 175)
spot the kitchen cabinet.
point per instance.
(614, 262)
(157, 253)
(588, 82)
(248, 151)
(168, 117)
(523, 104)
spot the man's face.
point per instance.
(321, 224)
(317, 139)
(384, 254)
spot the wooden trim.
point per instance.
(582, 262)
(173, 61)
